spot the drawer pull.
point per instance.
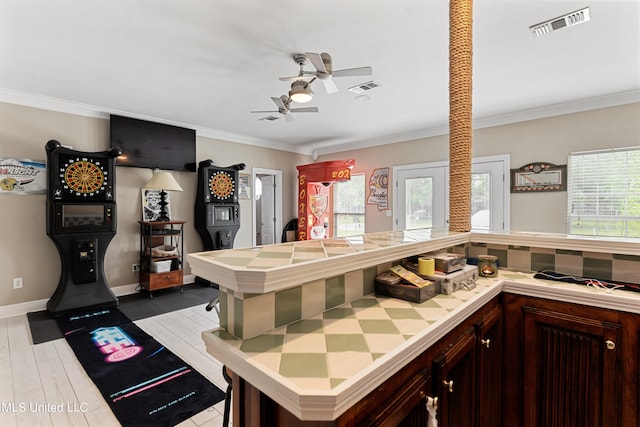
(449, 385)
(486, 343)
(610, 344)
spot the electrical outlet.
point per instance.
(135, 267)
(17, 282)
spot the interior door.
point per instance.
(267, 217)
(266, 206)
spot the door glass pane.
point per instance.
(419, 202)
(481, 201)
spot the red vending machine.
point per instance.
(314, 196)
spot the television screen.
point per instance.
(152, 145)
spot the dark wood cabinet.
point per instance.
(467, 376)
(489, 371)
(455, 382)
(574, 365)
(407, 407)
(571, 374)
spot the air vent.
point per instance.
(270, 118)
(569, 20)
(364, 87)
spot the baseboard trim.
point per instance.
(26, 307)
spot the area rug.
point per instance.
(144, 383)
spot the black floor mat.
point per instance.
(143, 382)
(135, 306)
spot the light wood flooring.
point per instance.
(45, 385)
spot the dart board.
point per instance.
(83, 177)
(222, 185)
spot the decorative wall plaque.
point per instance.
(540, 176)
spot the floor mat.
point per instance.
(135, 306)
(143, 382)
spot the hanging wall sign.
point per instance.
(22, 177)
(541, 176)
(378, 188)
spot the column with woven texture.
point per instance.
(460, 121)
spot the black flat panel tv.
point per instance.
(152, 145)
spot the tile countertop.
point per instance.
(319, 367)
(271, 268)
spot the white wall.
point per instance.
(25, 249)
(550, 140)
(27, 252)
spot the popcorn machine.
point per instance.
(314, 196)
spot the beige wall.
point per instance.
(550, 139)
(27, 252)
(25, 249)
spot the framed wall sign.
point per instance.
(540, 176)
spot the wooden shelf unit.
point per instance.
(154, 234)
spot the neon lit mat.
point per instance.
(143, 382)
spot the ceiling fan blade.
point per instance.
(317, 62)
(304, 110)
(360, 71)
(305, 75)
(264, 111)
(326, 60)
(279, 103)
(288, 117)
(329, 85)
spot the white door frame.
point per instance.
(505, 197)
(278, 201)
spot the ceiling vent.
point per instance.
(568, 20)
(364, 87)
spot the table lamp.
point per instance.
(164, 182)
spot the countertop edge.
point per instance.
(327, 405)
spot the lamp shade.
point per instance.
(163, 181)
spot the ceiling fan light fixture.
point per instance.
(300, 92)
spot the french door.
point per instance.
(421, 195)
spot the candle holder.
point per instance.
(487, 265)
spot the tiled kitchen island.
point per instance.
(301, 323)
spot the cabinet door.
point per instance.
(489, 353)
(407, 408)
(572, 370)
(454, 382)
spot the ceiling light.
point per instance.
(300, 92)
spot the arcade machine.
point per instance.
(314, 207)
(81, 221)
(217, 211)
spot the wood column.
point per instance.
(460, 120)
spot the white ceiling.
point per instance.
(207, 64)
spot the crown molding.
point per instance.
(577, 106)
(54, 104)
(86, 110)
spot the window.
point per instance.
(604, 193)
(348, 206)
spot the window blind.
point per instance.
(603, 192)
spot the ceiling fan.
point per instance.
(323, 64)
(283, 104)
